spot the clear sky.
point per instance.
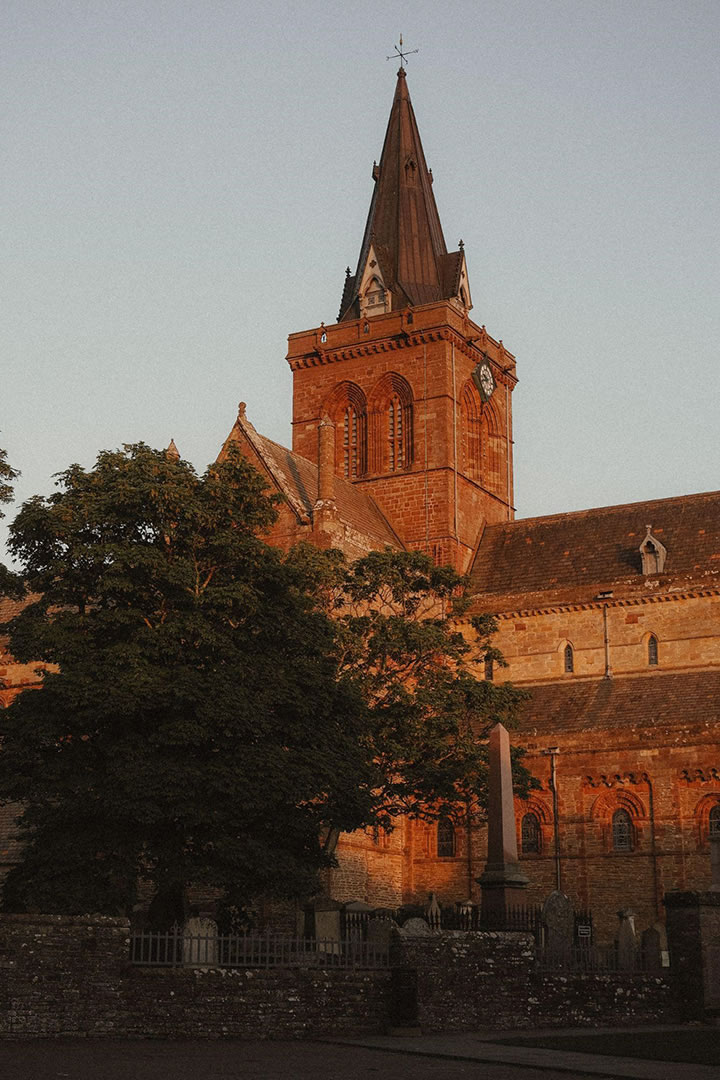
(184, 182)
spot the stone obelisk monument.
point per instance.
(502, 880)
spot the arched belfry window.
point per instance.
(622, 831)
(347, 409)
(472, 433)
(652, 651)
(396, 443)
(391, 424)
(568, 659)
(484, 442)
(445, 838)
(714, 821)
(530, 834)
(351, 443)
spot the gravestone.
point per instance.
(627, 941)
(379, 933)
(414, 928)
(200, 945)
(559, 924)
(502, 880)
(651, 948)
(323, 923)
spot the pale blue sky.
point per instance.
(184, 183)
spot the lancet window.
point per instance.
(569, 659)
(347, 408)
(391, 413)
(652, 651)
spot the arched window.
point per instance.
(391, 424)
(347, 408)
(395, 434)
(351, 443)
(530, 835)
(489, 669)
(569, 659)
(652, 651)
(714, 821)
(622, 831)
(445, 838)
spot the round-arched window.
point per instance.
(530, 836)
(445, 838)
(622, 831)
(714, 821)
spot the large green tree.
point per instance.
(212, 711)
(9, 584)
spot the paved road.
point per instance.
(110, 1059)
(456, 1057)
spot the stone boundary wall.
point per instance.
(63, 975)
(465, 981)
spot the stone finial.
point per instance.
(172, 451)
(242, 408)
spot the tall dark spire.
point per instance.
(403, 259)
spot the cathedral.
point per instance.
(610, 617)
(402, 437)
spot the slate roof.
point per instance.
(641, 705)
(570, 558)
(297, 479)
(403, 224)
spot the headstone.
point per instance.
(200, 945)
(651, 947)
(324, 923)
(502, 876)
(559, 923)
(627, 942)
(415, 928)
(379, 933)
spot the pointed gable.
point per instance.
(403, 259)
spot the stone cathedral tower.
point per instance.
(416, 396)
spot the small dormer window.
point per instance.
(652, 553)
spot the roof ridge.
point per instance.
(697, 495)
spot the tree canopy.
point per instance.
(9, 584)
(212, 711)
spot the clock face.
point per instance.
(483, 379)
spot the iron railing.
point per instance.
(173, 948)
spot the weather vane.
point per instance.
(399, 52)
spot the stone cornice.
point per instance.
(628, 601)
(322, 355)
